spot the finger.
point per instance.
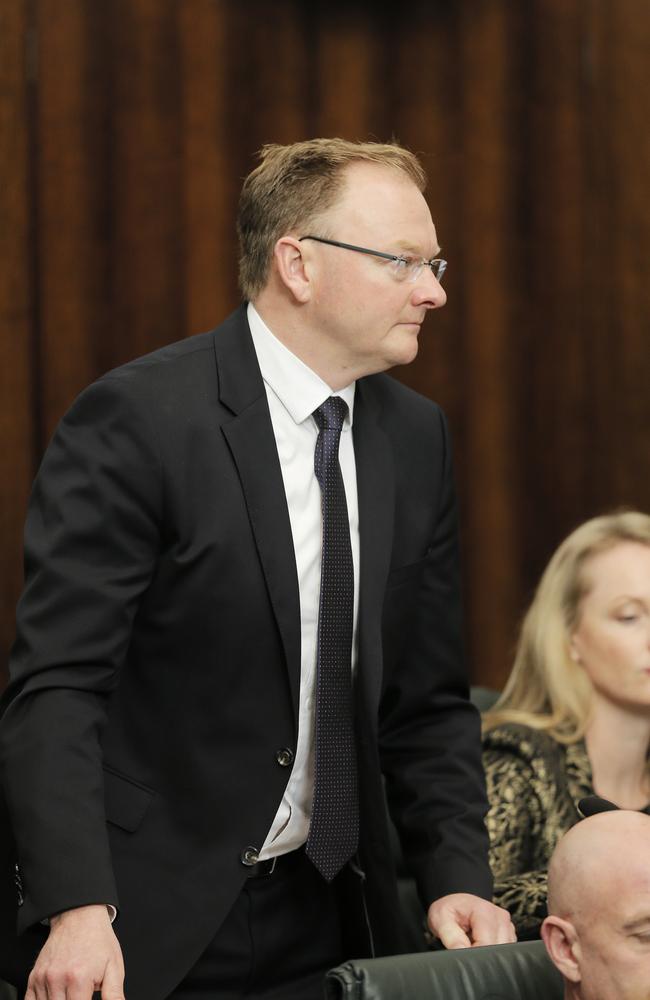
(37, 988)
(499, 934)
(451, 934)
(509, 933)
(485, 930)
(113, 984)
(491, 927)
(77, 988)
(56, 987)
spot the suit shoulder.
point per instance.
(389, 391)
(531, 744)
(183, 371)
(192, 354)
(165, 361)
(413, 422)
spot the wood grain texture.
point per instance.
(18, 406)
(127, 127)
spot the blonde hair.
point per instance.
(547, 689)
(292, 186)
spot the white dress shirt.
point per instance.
(294, 391)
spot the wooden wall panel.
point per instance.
(126, 136)
(353, 87)
(147, 246)
(209, 188)
(72, 175)
(18, 409)
(488, 222)
(619, 300)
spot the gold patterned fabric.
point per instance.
(534, 785)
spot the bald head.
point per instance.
(603, 853)
(598, 929)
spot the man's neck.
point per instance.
(292, 328)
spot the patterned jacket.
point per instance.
(534, 786)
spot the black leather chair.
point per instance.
(521, 971)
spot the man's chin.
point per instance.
(407, 351)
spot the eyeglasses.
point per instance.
(405, 267)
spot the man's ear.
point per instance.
(291, 267)
(562, 944)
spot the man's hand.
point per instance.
(464, 921)
(81, 955)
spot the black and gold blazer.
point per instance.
(534, 786)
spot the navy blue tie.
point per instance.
(334, 827)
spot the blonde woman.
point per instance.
(574, 717)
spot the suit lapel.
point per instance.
(376, 488)
(252, 443)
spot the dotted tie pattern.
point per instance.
(334, 827)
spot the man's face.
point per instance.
(614, 946)
(369, 320)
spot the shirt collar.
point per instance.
(298, 387)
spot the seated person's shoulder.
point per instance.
(526, 742)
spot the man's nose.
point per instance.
(428, 291)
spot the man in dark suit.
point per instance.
(241, 610)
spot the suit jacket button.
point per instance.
(284, 756)
(249, 856)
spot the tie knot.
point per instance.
(331, 414)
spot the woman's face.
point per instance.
(612, 635)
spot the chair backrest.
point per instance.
(521, 971)
(483, 697)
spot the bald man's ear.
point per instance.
(563, 946)
(291, 268)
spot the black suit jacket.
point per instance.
(157, 666)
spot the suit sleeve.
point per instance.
(430, 732)
(91, 540)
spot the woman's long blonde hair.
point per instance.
(546, 688)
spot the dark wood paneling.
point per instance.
(126, 137)
(17, 410)
(72, 172)
(210, 187)
(147, 238)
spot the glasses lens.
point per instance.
(438, 266)
(407, 268)
(401, 268)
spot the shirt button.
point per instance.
(284, 756)
(249, 856)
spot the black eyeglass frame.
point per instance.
(439, 261)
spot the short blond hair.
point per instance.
(546, 688)
(292, 186)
